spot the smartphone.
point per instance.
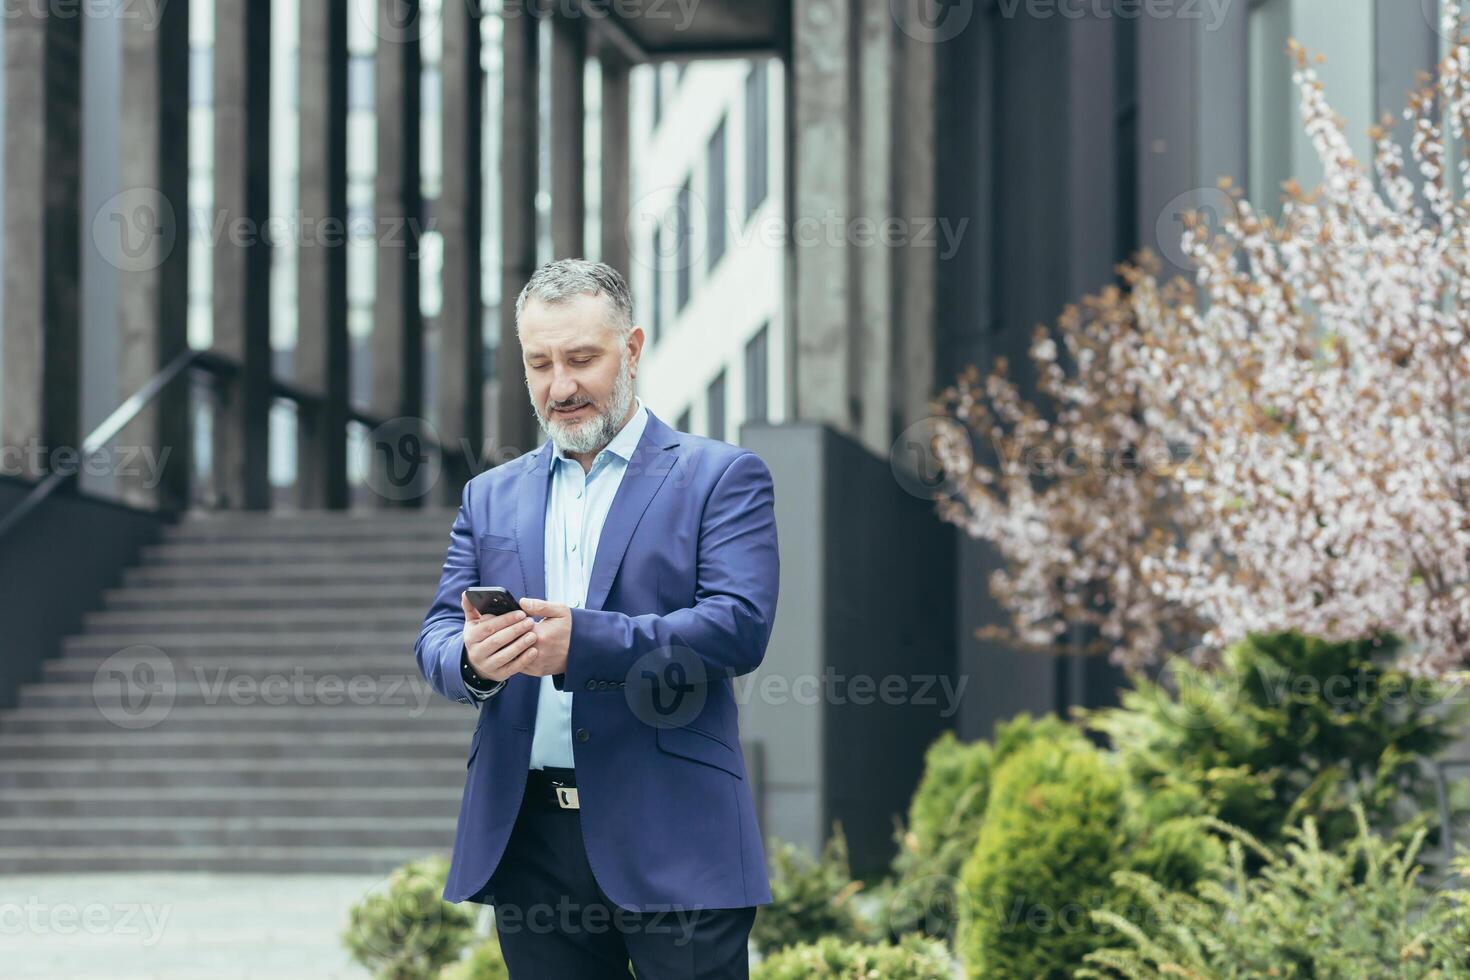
(492, 600)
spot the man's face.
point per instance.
(579, 375)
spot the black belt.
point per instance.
(552, 788)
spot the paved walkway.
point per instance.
(166, 926)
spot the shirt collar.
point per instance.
(626, 440)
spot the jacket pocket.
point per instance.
(691, 743)
(498, 542)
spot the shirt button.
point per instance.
(574, 547)
(579, 495)
(583, 735)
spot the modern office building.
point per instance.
(825, 208)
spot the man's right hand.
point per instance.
(494, 644)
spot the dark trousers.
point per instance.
(554, 921)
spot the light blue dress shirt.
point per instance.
(576, 510)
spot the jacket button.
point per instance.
(591, 685)
(582, 735)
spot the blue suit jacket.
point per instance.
(681, 599)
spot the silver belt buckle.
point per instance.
(566, 798)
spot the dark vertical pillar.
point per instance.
(616, 200)
(242, 262)
(42, 336)
(516, 429)
(321, 343)
(150, 248)
(398, 358)
(461, 322)
(822, 138)
(568, 121)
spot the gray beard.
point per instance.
(592, 434)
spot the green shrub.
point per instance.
(1355, 914)
(1061, 821)
(944, 821)
(912, 959)
(1051, 836)
(1285, 727)
(406, 931)
(484, 962)
(811, 898)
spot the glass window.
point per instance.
(757, 135)
(756, 377)
(715, 407)
(715, 195)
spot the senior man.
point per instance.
(606, 811)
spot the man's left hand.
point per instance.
(548, 653)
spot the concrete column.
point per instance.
(915, 327)
(874, 261)
(150, 250)
(568, 120)
(42, 338)
(821, 132)
(321, 341)
(398, 334)
(241, 256)
(461, 330)
(616, 194)
(516, 430)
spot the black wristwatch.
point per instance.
(474, 680)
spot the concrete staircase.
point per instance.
(247, 700)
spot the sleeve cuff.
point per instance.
(478, 688)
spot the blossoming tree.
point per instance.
(1279, 444)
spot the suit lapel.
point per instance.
(655, 456)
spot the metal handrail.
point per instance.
(207, 360)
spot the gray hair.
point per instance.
(558, 281)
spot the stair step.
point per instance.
(260, 746)
(338, 595)
(407, 693)
(278, 859)
(426, 832)
(355, 642)
(308, 571)
(287, 772)
(278, 529)
(438, 715)
(189, 801)
(264, 621)
(269, 552)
